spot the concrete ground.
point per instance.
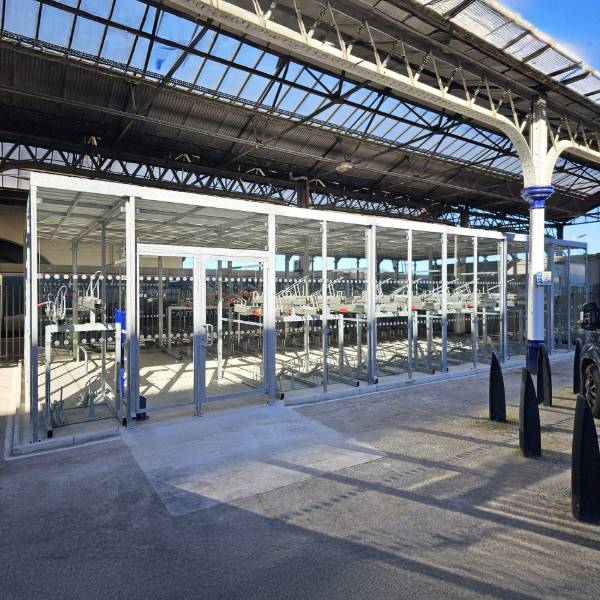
(450, 509)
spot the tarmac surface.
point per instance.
(444, 506)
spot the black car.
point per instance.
(590, 356)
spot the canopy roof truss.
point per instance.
(153, 94)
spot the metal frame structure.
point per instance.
(100, 202)
(318, 86)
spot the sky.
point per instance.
(575, 24)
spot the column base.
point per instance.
(533, 349)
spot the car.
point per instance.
(590, 356)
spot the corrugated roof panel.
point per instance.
(480, 19)
(586, 86)
(550, 61)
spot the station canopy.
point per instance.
(155, 93)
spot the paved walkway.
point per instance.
(450, 510)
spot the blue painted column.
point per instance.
(537, 196)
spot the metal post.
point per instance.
(307, 319)
(200, 333)
(409, 301)
(341, 345)
(103, 308)
(586, 267)
(270, 345)
(537, 196)
(455, 257)
(503, 266)
(220, 321)
(444, 365)
(161, 305)
(475, 322)
(429, 337)
(371, 252)
(324, 307)
(75, 297)
(230, 307)
(32, 299)
(550, 316)
(131, 303)
(286, 266)
(569, 300)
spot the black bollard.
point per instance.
(497, 397)
(544, 378)
(577, 367)
(530, 439)
(585, 465)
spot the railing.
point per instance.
(12, 319)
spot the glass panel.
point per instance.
(392, 302)
(188, 225)
(348, 346)
(427, 302)
(461, 301)
(299, 361)
(560, 296)
(516, 299)
(235, 316)
(578, 283)
(20, 16)
(78, 296)
(166, 331)
(87, 36)
(489, 299)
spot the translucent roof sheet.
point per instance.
(223, 66)
(500, 26)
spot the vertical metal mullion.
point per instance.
(503, 300)
(371, 245)
(103, 309)
(75, 298)
(444, 302)
(131, 315)
(475, 322)
(569, 303)
(550, 301)
(32, 253)
(161, 304)
(269, 346)
(200, 334)
(585, 275)
(409, 301)
(324, 307)
(220, 320)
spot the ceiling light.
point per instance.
(344, 166)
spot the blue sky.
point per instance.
(573, 23)
(576, 25)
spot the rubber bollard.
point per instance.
(544, 378)
(530, 439)
(497, 396)
(577, 367)
(585, 465)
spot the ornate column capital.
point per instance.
(537, 195)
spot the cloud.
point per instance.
(578, 50)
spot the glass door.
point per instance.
(232, 332)
(201, 321)
(166, 331)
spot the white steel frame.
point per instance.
(201, 328)
(133, 194)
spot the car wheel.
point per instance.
(591, 389)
